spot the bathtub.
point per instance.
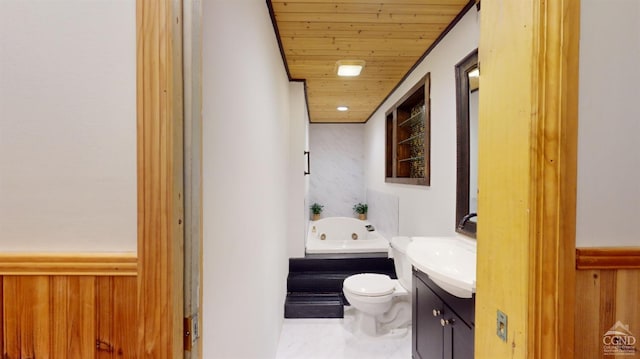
(344, 235)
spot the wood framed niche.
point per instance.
(408, 140)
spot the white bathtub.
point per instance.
(343, 235)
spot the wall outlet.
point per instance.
(501, 325)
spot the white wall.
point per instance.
(337, 178)
(246, 151)
(609, 126)
(427, 210)
(67, 126)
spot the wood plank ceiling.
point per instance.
(390, 35)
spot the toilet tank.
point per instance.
(401, 261)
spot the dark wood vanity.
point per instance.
(443, 324)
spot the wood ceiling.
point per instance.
(390, 35)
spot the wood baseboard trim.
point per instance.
(95, 264)
(608, 258)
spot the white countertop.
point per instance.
(448, 261)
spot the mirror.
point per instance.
(467, 93)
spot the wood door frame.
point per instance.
(529, 54)
(192, 59)
(160, 178)
(554, 179)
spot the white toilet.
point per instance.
(382, 305)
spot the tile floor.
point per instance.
(330, 339)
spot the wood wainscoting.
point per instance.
(607, 291)
(68, 306)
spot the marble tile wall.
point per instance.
(337, 167)
(383, 212)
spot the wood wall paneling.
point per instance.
(27, 316)
(117, 319)
(2, 336)
(607, 291)
(69, 317)
(604, 297)
(73, 304)
(47, 313)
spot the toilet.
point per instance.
(381, 305)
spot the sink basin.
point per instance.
(448, 261)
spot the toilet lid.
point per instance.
(369, 284)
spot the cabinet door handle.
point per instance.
(445, 322)
(436, 312)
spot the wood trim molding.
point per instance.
(527, 154)
(160, 178)
(95, 264)
(608, 258)
(554, 138)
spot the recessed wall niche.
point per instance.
(408, 145)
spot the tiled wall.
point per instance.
(383, 212)
(337, 179)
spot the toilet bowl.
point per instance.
(381, 305)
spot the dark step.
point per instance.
(318, 282)
(314, 305)
(351, 265)
(314, 284)
(323, 281)
(346, 255)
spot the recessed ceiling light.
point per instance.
(342, 108)
(349, 68)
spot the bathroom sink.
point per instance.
(448, 261)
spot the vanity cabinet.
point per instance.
(443, 325)
(407, 137)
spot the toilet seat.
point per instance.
(370, 284)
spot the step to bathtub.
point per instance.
(322, 282)
(314, 285)
(351, 265)
(347, 255)
(314, 305)
(318, 282)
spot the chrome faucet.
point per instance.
(466, 219)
